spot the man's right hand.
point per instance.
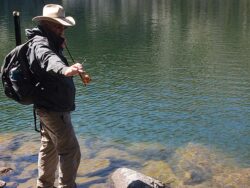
(73, 70)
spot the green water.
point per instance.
(169, 77)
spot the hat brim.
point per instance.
(67, 21)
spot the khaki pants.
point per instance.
(58, 144)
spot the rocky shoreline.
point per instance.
(191, 166)
(128, 178)
(121, 178)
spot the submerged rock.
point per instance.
(233, 179)
(195, 164)
(198, 166)
(5, 170)
(161, 171)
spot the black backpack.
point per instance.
(18, 81)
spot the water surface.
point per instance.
(170, 88)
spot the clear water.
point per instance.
(167, 75)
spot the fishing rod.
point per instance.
(84, 76)
(16, 16)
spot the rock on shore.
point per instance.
(3, 172)
(127, 178)
(2, 184)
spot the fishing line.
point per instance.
(72, 59)
(69, 53)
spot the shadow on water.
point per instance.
(93, 182)
(114, 164)
(22, 171)
(14, 145)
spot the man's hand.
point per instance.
(74, 70)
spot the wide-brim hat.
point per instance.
(55, 13)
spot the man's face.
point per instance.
(56, 28)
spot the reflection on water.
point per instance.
(169, 97)
(189, 166)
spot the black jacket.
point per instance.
(55, 91)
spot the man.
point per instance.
(54, 98)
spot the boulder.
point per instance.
(2, 184)
(127, 178)
(5, 170)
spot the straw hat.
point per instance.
(55, 13)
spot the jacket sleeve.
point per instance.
(48, 60)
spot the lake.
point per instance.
(169, 97)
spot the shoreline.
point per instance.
(191, 165)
